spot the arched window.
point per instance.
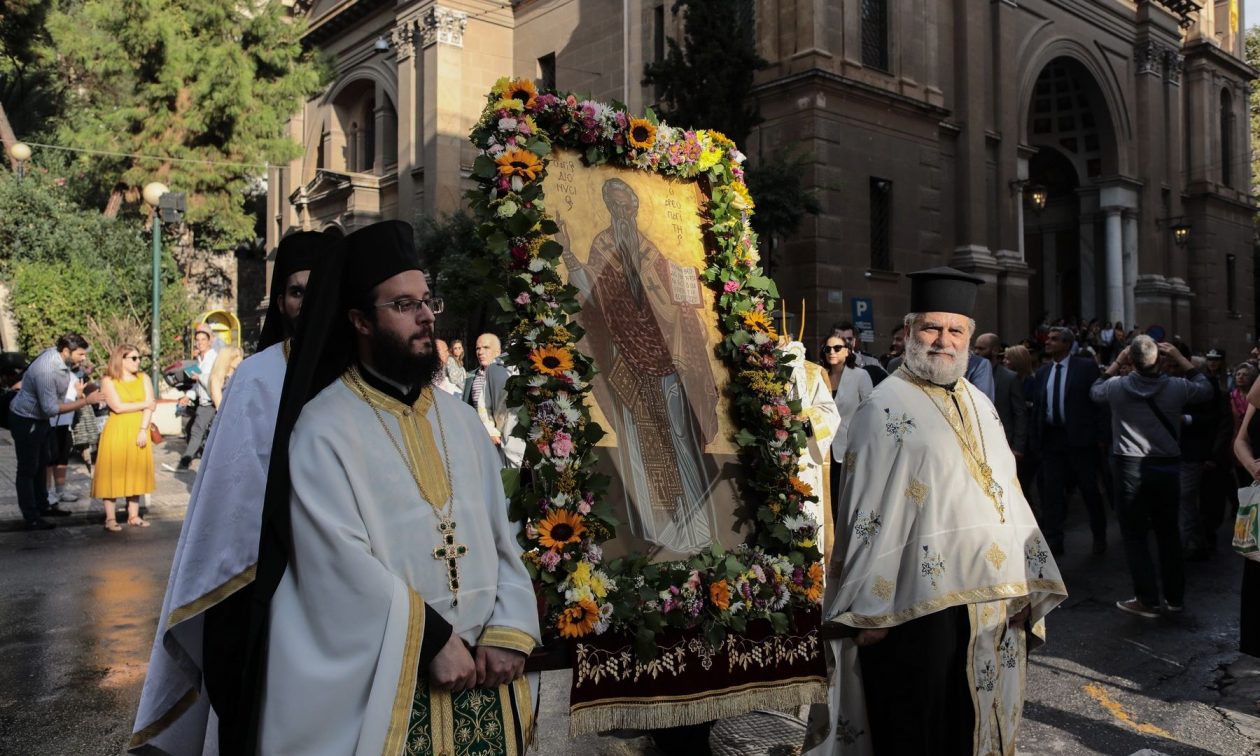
(1227, 138)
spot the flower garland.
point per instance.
(560, 498)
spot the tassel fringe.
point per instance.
(651, 714)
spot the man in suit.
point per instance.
(486, 390)
(1008, 394)
(1067, 429)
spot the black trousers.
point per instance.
(918, 673)
(1148, 494)
(223, 663)
(30, 441)
(1062, 467)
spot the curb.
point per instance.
(157, 510)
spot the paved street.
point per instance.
(79, 608)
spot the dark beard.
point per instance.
(393, 359)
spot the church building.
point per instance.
(1086, 158)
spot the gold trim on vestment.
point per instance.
(210, 598)
(972, 635)
(966, 426)
(400, 716)
(524, 710)
(694, 708)
(417, 437)
(824, 496)
(159, 725)
(970, 596)
(442, 721)
(287, 346)
(507, 637)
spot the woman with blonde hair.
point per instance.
(124, 464)
(224, 366)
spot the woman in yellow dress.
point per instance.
(124, 463)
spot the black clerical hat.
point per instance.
(376, 253)
(296, 252)
(944, 290)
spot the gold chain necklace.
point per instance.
(981, 459)
(449, 550)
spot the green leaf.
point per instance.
(485, 167)
(511, 480)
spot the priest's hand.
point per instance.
(871, 637)
(453, 668)
(498, 666)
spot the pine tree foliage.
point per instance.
(200, 80)
(705, 81)
(1251, 50)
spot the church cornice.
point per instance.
(813, 75)
(1205, 51)
(339, 18)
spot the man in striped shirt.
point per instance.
(44, 388)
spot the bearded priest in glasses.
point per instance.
(940, 580)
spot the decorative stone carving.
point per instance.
(403, 37)
(1148, 56)
(443, 25)
(1174, 62)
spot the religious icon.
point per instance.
(634, 252)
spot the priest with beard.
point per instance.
(392, 610)
(940, 581)
(196, 660)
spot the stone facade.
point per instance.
(925, 126)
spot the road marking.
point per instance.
(1113, 707)
(1147, 650)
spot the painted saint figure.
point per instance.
(642, 315)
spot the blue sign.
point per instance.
(864, 319)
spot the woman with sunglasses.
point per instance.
(124, 464)
(851, 385)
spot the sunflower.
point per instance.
(550, 360)
(578, 619)
(759, 322)
(642, 133)
(522, 90)
(559, 529)
(800, 486)
(720, 594)
(521, 163)
(813, 594)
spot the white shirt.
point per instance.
(855, 386)
(200, 392)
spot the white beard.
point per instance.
(921, 363)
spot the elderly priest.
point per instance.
(404, 615)
(939, 576)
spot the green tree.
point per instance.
(705, 81)
(71, 269)
(463, 272)
(28, 90)
(210, 83)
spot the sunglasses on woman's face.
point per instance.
(833, 348)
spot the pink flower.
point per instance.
(583, 508)
(549, 560)
(562, 444)
(523, 298)
(781, 435)
(730, 287)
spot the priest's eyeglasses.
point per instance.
(408, 306)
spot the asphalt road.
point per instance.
(78, 608)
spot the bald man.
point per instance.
(1008, 393)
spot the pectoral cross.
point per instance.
(449, 551)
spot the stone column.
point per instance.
(442, 38)
(1050, 273)
(1130, 264)
(1088, 204)
(404, 38)
(1115, 266)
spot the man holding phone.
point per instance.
(42, 397)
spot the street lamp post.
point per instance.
(153, 196)
(20, 152)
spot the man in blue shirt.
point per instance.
(44, 387)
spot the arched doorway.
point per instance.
(1071, 129)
